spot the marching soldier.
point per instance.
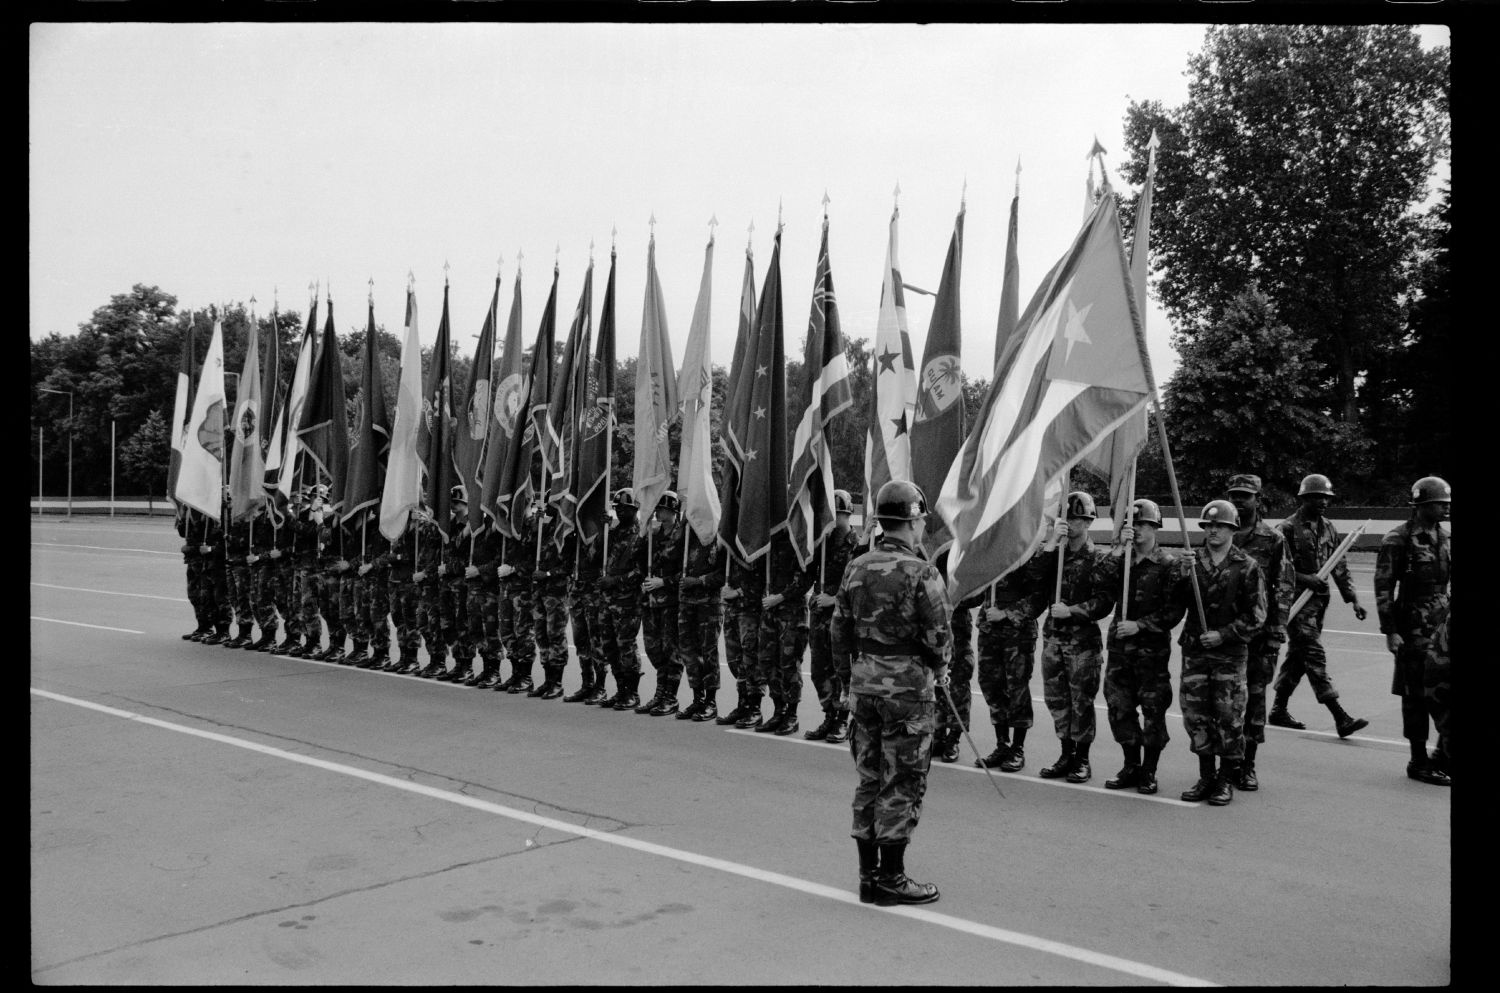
(1007, 652)
(659, 619)
(745, 586)
(620, 587)
(1214, 660)
(517, 625)
(891, 624)
(698, 623)
(782, 637)
(1412, 575)
(839, 546)
(1310, 540)
(550, 608)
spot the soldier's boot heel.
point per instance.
(552, 687)
(691, 710)
(1279, 717)
(1059, 769)
(666, 704)
(739, 709)
(645, 707)
(788, 725)
(893, 886)
(582, 693)
(839, 732)
(750, 717)
(1222, 792)
(708, 709)
(820, 732)
(778, 714)
(1129, 775)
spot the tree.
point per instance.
(145, 455)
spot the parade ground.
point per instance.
(209, 816)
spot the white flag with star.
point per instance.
(893, 401)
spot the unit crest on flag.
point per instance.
(479, 405)
(247, 427)
(212, 438)
(940, 386)
(508, 401)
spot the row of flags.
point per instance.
(1072, 383)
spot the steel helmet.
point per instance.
(625, 497)
(1431, 489)
(1080, 504)
(900, 500)
(843, 503)
(1147, 512)
(1219, 512)
(668, 501)
(458, 494)
(1315, 484)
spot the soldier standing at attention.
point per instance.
(454, 604)
(307, 544)
(890, 621)
(1007, 653)
(952, 720)
(398, 562)
(583, 593)
(1214, 660)
(783, 635)
(517, 626)
(1310, 540)
(481, 590)
(283, 556)
(659, 619)
(745, 586)
(263, 576)
(330, 559)
(1137, 685)
(372, 604)
(430, 556)
(550, 605)
(239, 578)
(698, 622)
(839, 546)
(620, 586)
(190, 526)
(1266, 546)
(1072, 651)
(1412, 573)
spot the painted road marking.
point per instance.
(84, 589)
(1367, 634)
(1016, 938)
(98, 548)
(139, 529)
(80, 624)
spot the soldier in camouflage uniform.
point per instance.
(482, 590)
(588, 620)
(239, 578)
(431, 553)
(1007, 653)
(264, 577)
(517, 626)
(215, 581)
(698, 623)
(741, 595)
(334, 602)
(782, 636)
(454, 590)
(953, 719)
(372, 595)
(892, 631)
(398, 561)
(308, 544)
(192, 527)
(284, 563)
(1214, 660)
(620, 586)
(1072, 651)
(663, 568)
(550, 609)
(1310, 540)
(1412, 575)
(838, 547)
(1266, 546)
(1137, 685)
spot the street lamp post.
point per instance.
(41, 434)
(70, 443)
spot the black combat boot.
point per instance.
(839, 732)
(666, 703)
(627, 698)
(1342, 722)
(1064, 763)
(1081, 770)
(1002, 748)
(946, 749)
(485, 672)
(286, 645)
(788, 725)
(552, 687)
(436, 666)
(598, 694)
(360, 654)
(869, 868)
(520, 679)
(739, 707)
(265, 641)
(820, 733)
(646, 705)
(891, 883)
(1246, 779)
(240, 639)
(1207, 778)
(708, 707)
(749, 718)
(1146, 778)
(1130, 774)
(196, 633)
(1279, 717)
(778, 714)
(691, 710)
(1223, 790)
(582, 693)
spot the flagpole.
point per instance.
(1166, 451)
(1130, 548)
(1062, 511)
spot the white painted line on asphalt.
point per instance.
(84, 589)
(99, 548)
(1020, 940)
(1367, 634)
(141, 529)
(80, 624)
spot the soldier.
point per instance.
(189, 527)
(372, 595)
(431, 557)
(550, 607)
(782, 637)
(308, 545)
(698, 622)
(398, 562)
(892, 630)
(454, 591)
(347, 572)
(517, 626)
(482, 591)
(1310, 541)
(334, 604)
(620, 586)
(1072, 651)
(953, 707)
(839, 546)
(238, 576)
(215, 581)
(1412, 573)
(1137, 685)
(1214, 660)
(1007, 652)
(741, 596)
(264, 576)
(284, 529)
(663, 568)
(588, 621)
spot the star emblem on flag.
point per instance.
(887, 361)
(1074, 332)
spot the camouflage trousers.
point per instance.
(1305, 655)
(483, 611)
(621, 622)
(952, 719)
(1437, 688)
(453, 616)
(216, 592)
(550, 617)
(823, 667)
(1213, 700)
(330, 606)
(241, 603)
(309, 612)
(406, 614)
(891, 741)
(265, 580)
(659, 628)
(430, 616)
(1138, 691)
(1259, 668)
(349, 603)
(1006, 658)
(372, 603)
(197, 592)
(741, 639)
(698, 642)
(782, 641)
(517, 627)
(1070, 684)
(1421, 681)
(588, 630)
(284, 595)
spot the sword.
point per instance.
(993, 782)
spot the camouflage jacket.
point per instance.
(456, 550)
(703, 576)
(487, 557)
(520, 552)
(1234, 598)
(1151, 602)
(430, 547)
(892, 620)
(839, 547)
(1021, 600)
(665, 562)
(788, 578)
(263, 538)
(624, 570)
(1412, 573)
(305, 541)
(1268, 548)
(750, 580)
(237, 542)
(1309, 544)
(400, 556)
(1086, 589)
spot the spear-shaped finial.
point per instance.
(411, 281)
(652, 223)
(614, 232)
(779, 224)
(825, 203)
(556, 257)
(499, 264)
(1097, 149)
(275, 299)
(591, 251)
(713, 222)
(1151, 146)
(312, 290)
(963, 195)
(445, 273)
(1018, 176)
(328, 293)
(520, 257)
(372, 291)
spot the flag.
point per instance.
(1091, 192)
(562, 411)
(435, 429)
(506, 403)
(371, 445)
(182, 407)
(272, 403)
(736, 411)
(200, 481)
(893, 396)
(595, 425)
(655, 396)
(402, 492)
(324, 428)
(1077, 370)
(938, 430)
(1115, 458)
(247, 466)
(1010, 283)
(695, 385)
(472, 436)
(825, 394)
(296, 398)
(763, 492)
(515, 488)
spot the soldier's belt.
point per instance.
(868, 646)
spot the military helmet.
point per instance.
(458, 494)
(625, 497)
(1314, 485)
(668, 500)
(843, 503)
(900, 500)
(1147, 512)
(1219, 512)
(1080, 504)
(1431, 489)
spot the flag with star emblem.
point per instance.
(472, 435)
(893, 398)
(825, 394)
(402, 492)
(507, 405)
(285, 436)
(736, 412)
(1075, 371)
(595, 425)
(655, 396)
(247, 467)
(371, 445)
(324, 429)
(182, 407)
(937, 432)
(562, 413)
(200, 481)
(695, 477)
(515, 487)
(435, 429)
(763, 489)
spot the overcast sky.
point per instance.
(229, 160)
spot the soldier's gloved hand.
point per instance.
(771, 600)
(729, 593)
(342, 565)
(1127, 629)
(688, 581)
(994, 615)
(1394, 643)
(470, 572)
(205, 549)
(251, 559)
(186, 549)
(1059, 611)
(1359, 612)
(1127, 534)
(1211, 639)
(275, 553)
(653, 583)
(442, 568)
(1060, 530)
(364, 569)
(1311, 581)
(506, 569)
(418, 576)
(824, 600)
(940, 675)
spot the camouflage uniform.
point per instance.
(192, 527)
(699, 614)
(620, 588)
(1213, 687)
(335, 604)
(1072, 650)
(309, 544)
(839, 547)
(483, 600)
(952, 721)
(742, 625)
(1412, 573)
(265, 577)
(783, 630)
(236, 547)
(517, 627)
(1309, 544)
(397, 562)
(372, 594)
(589, 618)
(284, 589)
(216, 577)
(1137, 685)
(430, 554)
(1007, 650)
(891, 629)
(453, 592)
(659, 617)
(550, 604)
(1266, 546)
